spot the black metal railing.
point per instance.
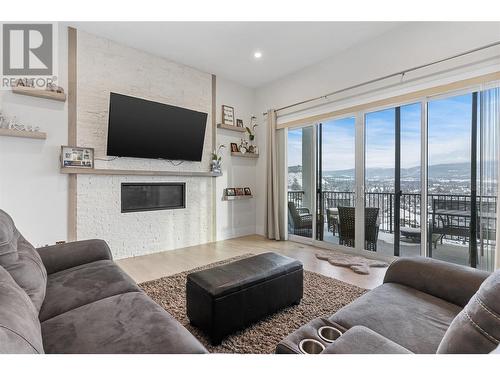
(410, 208)
(296, 196)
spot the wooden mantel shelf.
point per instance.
(125, 172)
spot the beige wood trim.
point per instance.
(214, 145)
(72, 135)
(441, 89)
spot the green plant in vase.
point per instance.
(216, 162)
(251, 131)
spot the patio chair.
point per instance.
(332, 214)
(299, 220)
(347, 227)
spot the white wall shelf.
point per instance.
(38, 93)
(249, 155)
(22, 134)
(231, 127)
(236, 197)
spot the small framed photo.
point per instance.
(248, 191)
(77, 157)
(239, 123)
(240, 191)
(227, 115)
(234, 147)
(230, 192)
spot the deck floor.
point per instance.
(453, 252)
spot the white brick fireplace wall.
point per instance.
(104, 66)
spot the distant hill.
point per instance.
(442, 171)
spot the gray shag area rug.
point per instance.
(323, 296)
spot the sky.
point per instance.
(448, 137)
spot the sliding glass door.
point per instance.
(427, 173)
(336, 179)
(462, 167)
(300, 152)
(392, 180)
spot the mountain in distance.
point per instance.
(442, 171)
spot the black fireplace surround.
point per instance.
(153, 196)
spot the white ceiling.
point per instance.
(226, 48)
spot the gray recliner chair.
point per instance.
(423, 306)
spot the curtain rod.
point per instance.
(402, 73)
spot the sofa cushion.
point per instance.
(477, 328)
(413, 319)
(77, 286)
(19, 326)
(127, 323)
(362, 340)
(22, 261)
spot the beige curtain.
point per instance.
(272, 191)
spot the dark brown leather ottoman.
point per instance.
(224, 299)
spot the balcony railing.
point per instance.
(410, 208)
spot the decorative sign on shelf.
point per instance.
(227, 115)
(77, 157)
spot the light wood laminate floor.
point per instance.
(154, 266)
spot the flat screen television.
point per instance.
(145, 129)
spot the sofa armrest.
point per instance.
(362, 340)
(60, 257)
(451, 282)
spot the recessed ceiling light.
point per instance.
(257, 54)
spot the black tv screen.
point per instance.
(144, 129)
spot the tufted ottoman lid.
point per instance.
(222, 280)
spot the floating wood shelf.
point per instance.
(245, 155)
(38, 93)
(236, 197)
(231, 127)
(125, 172)
(22, 134)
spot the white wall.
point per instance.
(32, 190)
(238, 217)
(405, 47)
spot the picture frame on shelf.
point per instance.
(77, 157)
(230, 192)
(248, 191)
(227, 115)
(234, 147)
(239, 123)
(239, 191)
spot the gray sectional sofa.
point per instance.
(424, 306)
(73, 298)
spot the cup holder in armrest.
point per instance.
(329, 334)
(311, 346)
